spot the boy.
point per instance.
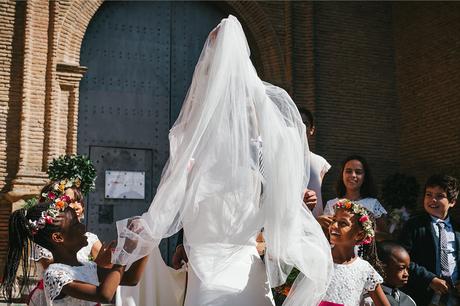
(433, 244)
(396, 262)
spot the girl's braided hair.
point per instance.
(20, 240)
(366, 220)
(368, 252)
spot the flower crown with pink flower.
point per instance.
(58, 188)
(363, 217)
(48, 216)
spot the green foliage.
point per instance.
(73, 167)
(29, 203)
(400, 190)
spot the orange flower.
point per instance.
(348, 205)
(60, 205)
(286, 290)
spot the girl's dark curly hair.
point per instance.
(367, 188)
(19, 242)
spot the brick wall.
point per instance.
(356, 103)
(11, 60)
(11, 43)
(427, 47)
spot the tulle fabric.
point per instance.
(237, 164)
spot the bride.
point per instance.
(237, 160)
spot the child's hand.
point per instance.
(104, 256)
(439, 285)
(325, 221)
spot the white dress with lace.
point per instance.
(39, 252)
(371, 204)
(59, 275)
(349, 282)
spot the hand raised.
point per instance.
(310, 199)
(104, 256)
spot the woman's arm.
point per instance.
(378, 296)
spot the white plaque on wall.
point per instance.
(124, 184)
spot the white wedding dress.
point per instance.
(237, 157)
(159, 286)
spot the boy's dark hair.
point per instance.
(446, 182)
(367, 188)
(20, 238)
(310, 119)
(386, 248)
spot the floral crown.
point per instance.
(73, 170)
(363, 217)
(48, 216)
(58, 188)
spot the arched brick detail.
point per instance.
(76, 15)
(253, 18)
(72, 22)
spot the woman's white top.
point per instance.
(58, 275)
(318, 168)
(371, 204)
(349, 282)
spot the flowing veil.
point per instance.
(238, 152)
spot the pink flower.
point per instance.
(65, 198)
(51, 196)
(367, 240)
(364, 218)
(48, 220)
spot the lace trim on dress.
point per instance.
(55, 280)
(39, 252)
(372, 281)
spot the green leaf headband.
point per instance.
(76, 170)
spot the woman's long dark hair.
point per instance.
(19, 242)
(367, 188)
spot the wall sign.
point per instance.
(125, 184)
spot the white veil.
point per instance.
(241, 143)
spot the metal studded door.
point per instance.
(140, 58)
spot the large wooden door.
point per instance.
(140, 58)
